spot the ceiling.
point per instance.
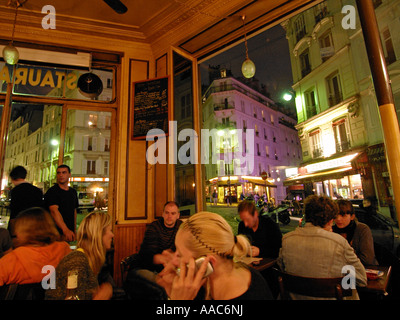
(197, 26)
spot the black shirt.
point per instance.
(24, 196)
(67, 201)
(258, 289)
(267, 237)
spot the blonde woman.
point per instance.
(208, 235)
(94, 238)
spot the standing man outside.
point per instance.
(24, 195)
(62, 202)
(158, 245)
(263, 233)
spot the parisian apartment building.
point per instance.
(234, 108)
(338, 118)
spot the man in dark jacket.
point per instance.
(263, 233)
(24, 195)
(158, 244)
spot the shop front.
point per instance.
(233, 189)
(335, 178)
(375, 178)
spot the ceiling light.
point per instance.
(248, 66)
(10, 53)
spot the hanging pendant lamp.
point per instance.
(248, 66)
(10, 53)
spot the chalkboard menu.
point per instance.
(150, 106)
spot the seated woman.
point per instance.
(357, 234)
(35, 246)
(94, 238)
(208, 235)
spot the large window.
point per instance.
(33, 142)
(41, 135)
(341, 136)
(334, 89)
(183, 105)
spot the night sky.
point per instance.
(270, 53)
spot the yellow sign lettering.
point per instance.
(21, 74)
(38, 77)
(5, 75)
(71, 81)
(48, 80)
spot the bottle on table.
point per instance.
(72, 285)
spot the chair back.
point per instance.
(312, 287)
(129, 263)
(15, 291)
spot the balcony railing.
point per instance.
(317, 153)
(335, 99)
(342, 146)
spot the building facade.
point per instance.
(253, 136)
(341, 136)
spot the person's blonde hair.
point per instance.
(90, 238)
(211, 234)
(34, 226)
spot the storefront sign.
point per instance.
(40, 77)
(330, 164)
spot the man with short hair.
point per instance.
(159, 240)
(62, 202)
(263, 233)
(24, 195)
(315, 251)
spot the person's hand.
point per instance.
(255, 251)
(187, 284)
(166, 277)
(163, 258)
(103, 292)
(68, 235)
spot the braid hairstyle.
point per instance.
(211, 234)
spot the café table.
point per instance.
(260, 264)
(379, 285)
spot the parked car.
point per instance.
(86, 202)
(384, 230)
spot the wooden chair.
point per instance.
(313, 287)
(30, 291)
(129, 263)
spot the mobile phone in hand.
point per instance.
(198, 264)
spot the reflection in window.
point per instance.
(33, 143)
(53, 82)
(87, 152)
(184, 172)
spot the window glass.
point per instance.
(32, 142)
(57, 82)
(183, 106)
(87, 153)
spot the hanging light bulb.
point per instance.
(10, 53)
(248, 66)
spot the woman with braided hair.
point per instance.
(208, 235)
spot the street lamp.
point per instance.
(54, 143)
(287, 96)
